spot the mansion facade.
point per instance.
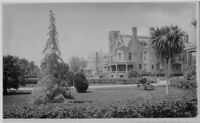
(134, 52)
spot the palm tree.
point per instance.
(167, 43)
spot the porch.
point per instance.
(120, 70)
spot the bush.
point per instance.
(113, 81)
(170, 106)
(59, 99)
(180, 82)
(145, 73)
(133, 74)
(13, 73)
(43, 94)
(190, 73)
(80, 83)
(70, 76)
(146, 83)
(143, 81)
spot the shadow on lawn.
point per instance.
(78, 101)
(88, 92)
(17, 93)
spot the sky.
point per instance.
(83, 27)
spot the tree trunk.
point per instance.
(167, 75)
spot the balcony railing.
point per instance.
(117, 71)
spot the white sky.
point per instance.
(83, 27)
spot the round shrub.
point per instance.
(80, 83)
(143, 81)
(149, 87)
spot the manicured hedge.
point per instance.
(120, 80)
(113, 81)
(80, 83)
(149, 107)
(180, 82)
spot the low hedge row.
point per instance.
(113, 81)
(120, 80)
(150, 107)
(180, 82)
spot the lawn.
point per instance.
(96, 96)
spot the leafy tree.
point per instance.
(13, 73)
(77, 64)
(167, 42)
(53, 85)
(34, 70)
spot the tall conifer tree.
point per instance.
(53, 85)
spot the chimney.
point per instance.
(134, 31)
(134, 40)
(151, 29)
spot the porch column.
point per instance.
(187, 57)
(126, 68)
(116, 71)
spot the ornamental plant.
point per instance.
(80, 83)
(53, 86)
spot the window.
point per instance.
(119, 56)
(145, 66)
(152, 66)
(129, 56)
(158, 66)
(140, 66)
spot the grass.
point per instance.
(96, 96)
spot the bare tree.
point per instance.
(77, 64)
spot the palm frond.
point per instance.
(167, 41)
